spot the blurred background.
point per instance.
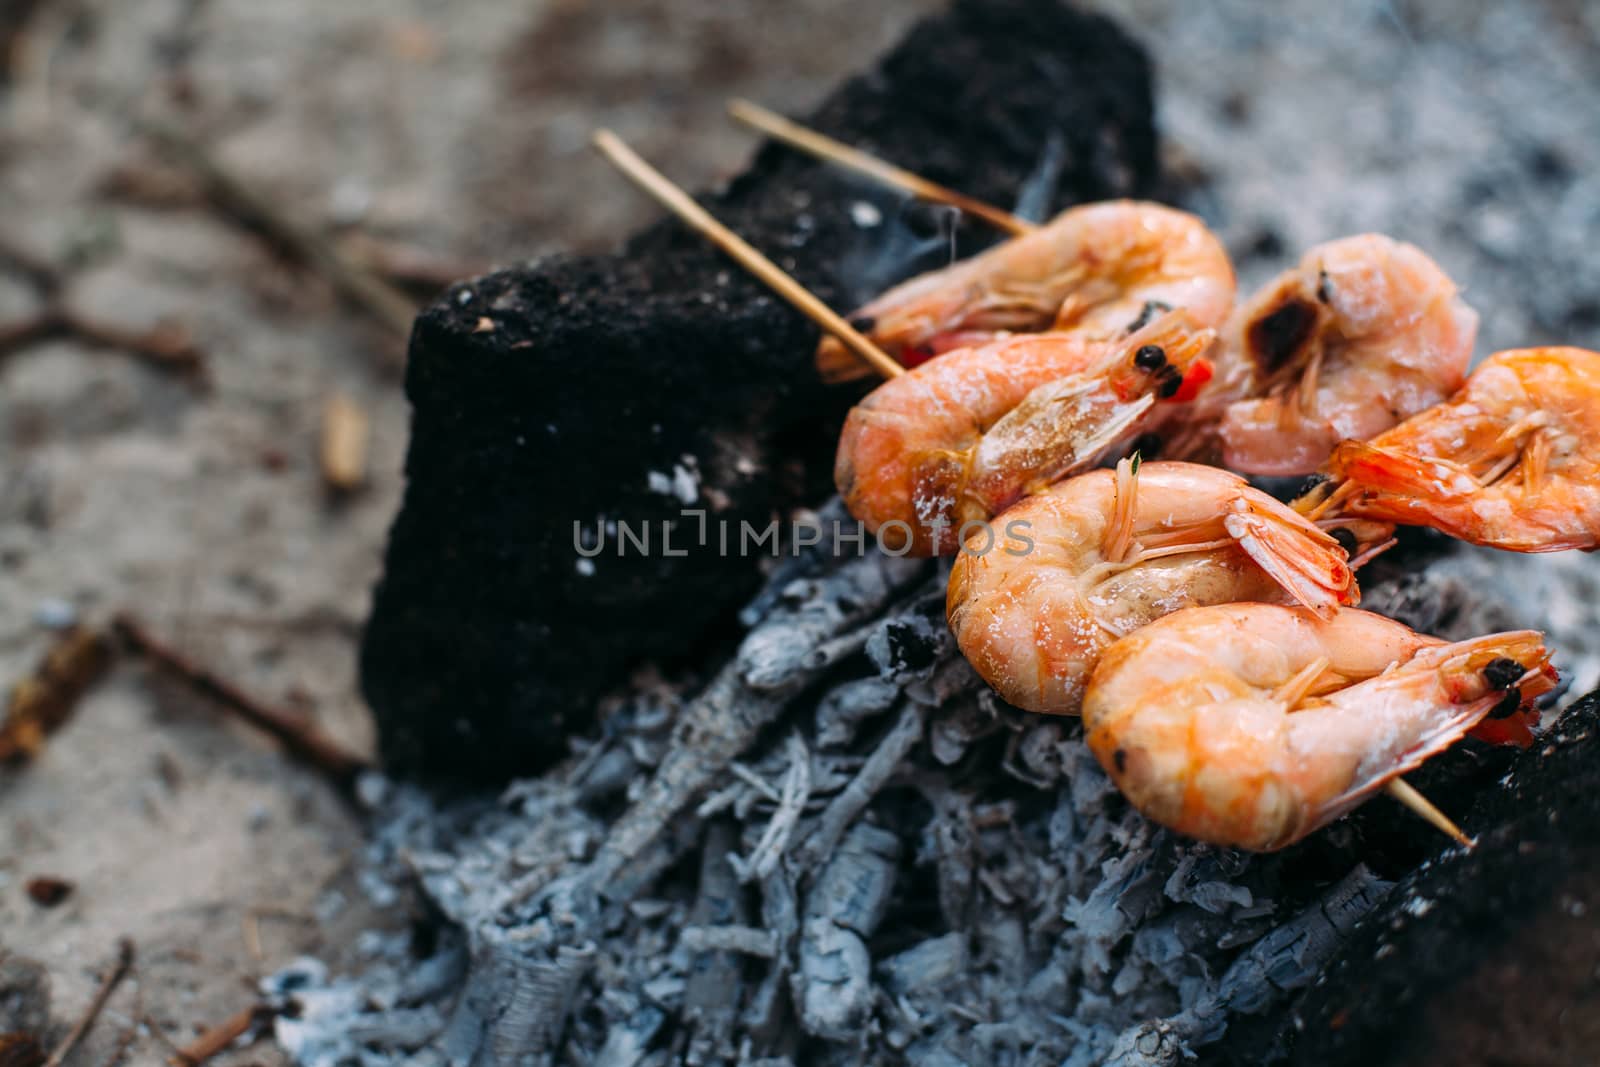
(168, 355)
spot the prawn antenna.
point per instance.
(821, 146)
(1425, 810)
(701, 221)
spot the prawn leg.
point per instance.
(1309, 564)
(1299, 687)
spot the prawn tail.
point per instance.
(1310, 566)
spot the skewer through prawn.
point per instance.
(959, 439)
(1094, 558)
(1097, 269)
(1274, 542)
(1252, 725)
(1363, 333)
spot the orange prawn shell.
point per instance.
(893, 441)
(966, 435)
(1091, 269)
(1030, 627)
(1363, 333)
(1207, 722)
(1428, 471)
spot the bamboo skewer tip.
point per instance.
(820, 146)
(681, 204)
(1425, 809)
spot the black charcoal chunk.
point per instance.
(630, 388)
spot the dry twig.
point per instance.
(300, 738)
(166, 345)
(217, 1038)
(43, 701)
(108, 985)
(385, 304)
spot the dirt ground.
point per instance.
(464, 133)
(124, 488)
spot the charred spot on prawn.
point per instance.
(1150, 357)
(1147, 315)
(1171, 382)
(1275, 337)
(1503, 673)
(1509, 704)
(1120, 758)
(863, 323)
(1324, 287)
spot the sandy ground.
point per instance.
(121, 488)
(1471, 133)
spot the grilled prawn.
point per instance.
(959, 439)
(1094, 558)
(1511, 461)
(1097, 270)
(1251, 725)
(1363, 333)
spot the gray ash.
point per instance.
(823, 858)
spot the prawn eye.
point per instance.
(1150, 357)
(1503, 673)
(1347, 541)
(1508, 704)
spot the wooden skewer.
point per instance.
(824, 147)
(817, 144)
(679, 203)
(1424, 808)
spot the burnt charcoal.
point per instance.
(628, 388)
(934, 885)
(1394, 992)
